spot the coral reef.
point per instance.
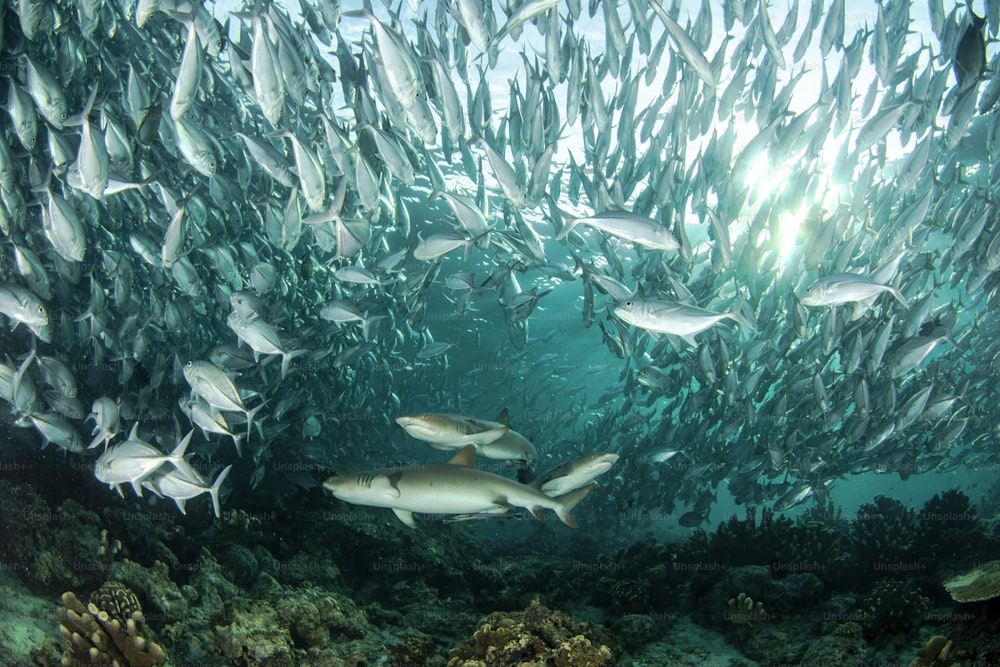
(536, 636)
(155, 586)
(978, 584)
(787, 547)
(252, 590)
(255, 637)
(893, 607)
(837, 651)
(54, 550)
(283, 631)
(25, 625)
(96, 637)
(935, 653)
(738, 584)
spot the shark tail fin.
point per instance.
(570, 500)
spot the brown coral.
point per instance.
(537, 636)
(117, 599)
(95, 638)
(935, 653)
(849, 629)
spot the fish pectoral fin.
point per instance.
(862, 307)
(405, 516)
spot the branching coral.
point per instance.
(743, 610)
(893, 607)
(97, 637)
(946, 525)
(883, 531)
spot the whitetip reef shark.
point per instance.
(456, 487)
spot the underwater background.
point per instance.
(749, 250)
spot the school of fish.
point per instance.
(252, 228)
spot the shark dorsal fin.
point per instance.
(465, 457)
(503, 418)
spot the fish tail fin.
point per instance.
(737, 314)
(238, 442)
(898, 296)
(570, 500)
(250, 415)
(181, 448)
(568, 223)
(214, 491)
(80, 118)
(286, 359)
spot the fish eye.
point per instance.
(190, 364)
(62, 115)
(628, 303)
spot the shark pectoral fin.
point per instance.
(465, 457)
(538, 513)
(405, 516)
(570, 500)
(487, 437)
(501, 503)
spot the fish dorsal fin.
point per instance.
(465, 457)
(503, 418)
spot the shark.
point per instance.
(493, 439)
(575, 474)
(455, 487)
